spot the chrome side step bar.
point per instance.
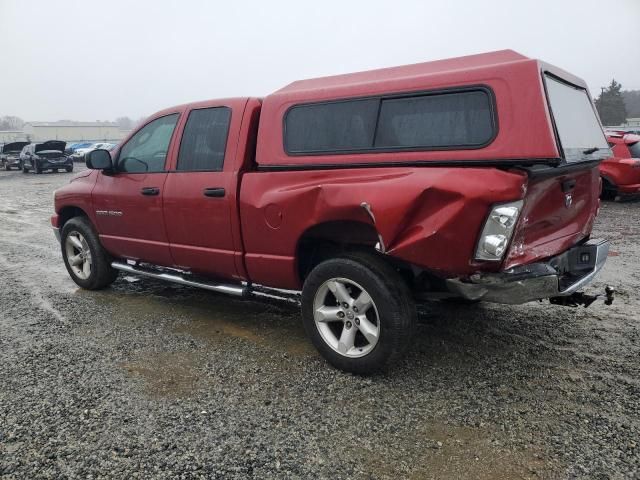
(237, 290)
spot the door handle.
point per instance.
(213, 192)
(150, 191)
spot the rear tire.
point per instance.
(7, 167)
(358, 312)
(25, 169)
(609, 190)
(69, 169)
(36, 167)
(88, 263)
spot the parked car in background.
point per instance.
(474, 178)
(621, 172)
(74, 146)
(45, 156)
(80, 152)
(10, 155)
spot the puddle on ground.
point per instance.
(210, 318)
(460, 452)
(214, 318)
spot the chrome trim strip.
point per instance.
(239, 291)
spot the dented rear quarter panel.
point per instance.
(429, 217)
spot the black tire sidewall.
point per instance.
(392, 302)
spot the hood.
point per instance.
(51, 145)
(13, 147)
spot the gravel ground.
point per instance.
(150, 380)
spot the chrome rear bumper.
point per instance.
(561, 276)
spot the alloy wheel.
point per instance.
(346, 317)
(78, 255)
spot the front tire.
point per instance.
(36, 167)
(69, 169)
(358, 312)
(86, 260)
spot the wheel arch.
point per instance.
(70, 211)
(327, 239)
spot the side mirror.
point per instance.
(99, 160)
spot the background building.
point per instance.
(73, 131)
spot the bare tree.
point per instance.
(9, 122)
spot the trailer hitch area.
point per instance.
(580, 298)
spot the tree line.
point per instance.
(615, 105)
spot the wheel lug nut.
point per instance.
(355, 309)
(345, 305)
(357, 321)
(348, 324)
(341, 314)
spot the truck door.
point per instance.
(128, 201)
(200, 192)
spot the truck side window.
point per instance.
(146, 151)
(204, 140)
(461, 119)
(327, 127)
(429, 121)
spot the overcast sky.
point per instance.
(97, 60)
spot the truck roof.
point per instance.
(404, 73)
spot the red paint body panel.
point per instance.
(76, 194)
(203, 231)
(622, 170)
(547, 226)
(138, 231)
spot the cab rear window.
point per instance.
(429, 121)
(579, 131)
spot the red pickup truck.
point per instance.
(473, 178)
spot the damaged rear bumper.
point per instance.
(560, 276)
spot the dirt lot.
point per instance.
(147, 379)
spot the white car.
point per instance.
(78, 155)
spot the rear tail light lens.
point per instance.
(497, 231)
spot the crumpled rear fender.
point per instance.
(427, 216)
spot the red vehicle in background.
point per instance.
(473, 178)
(621, 173)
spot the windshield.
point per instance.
(580, 133)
